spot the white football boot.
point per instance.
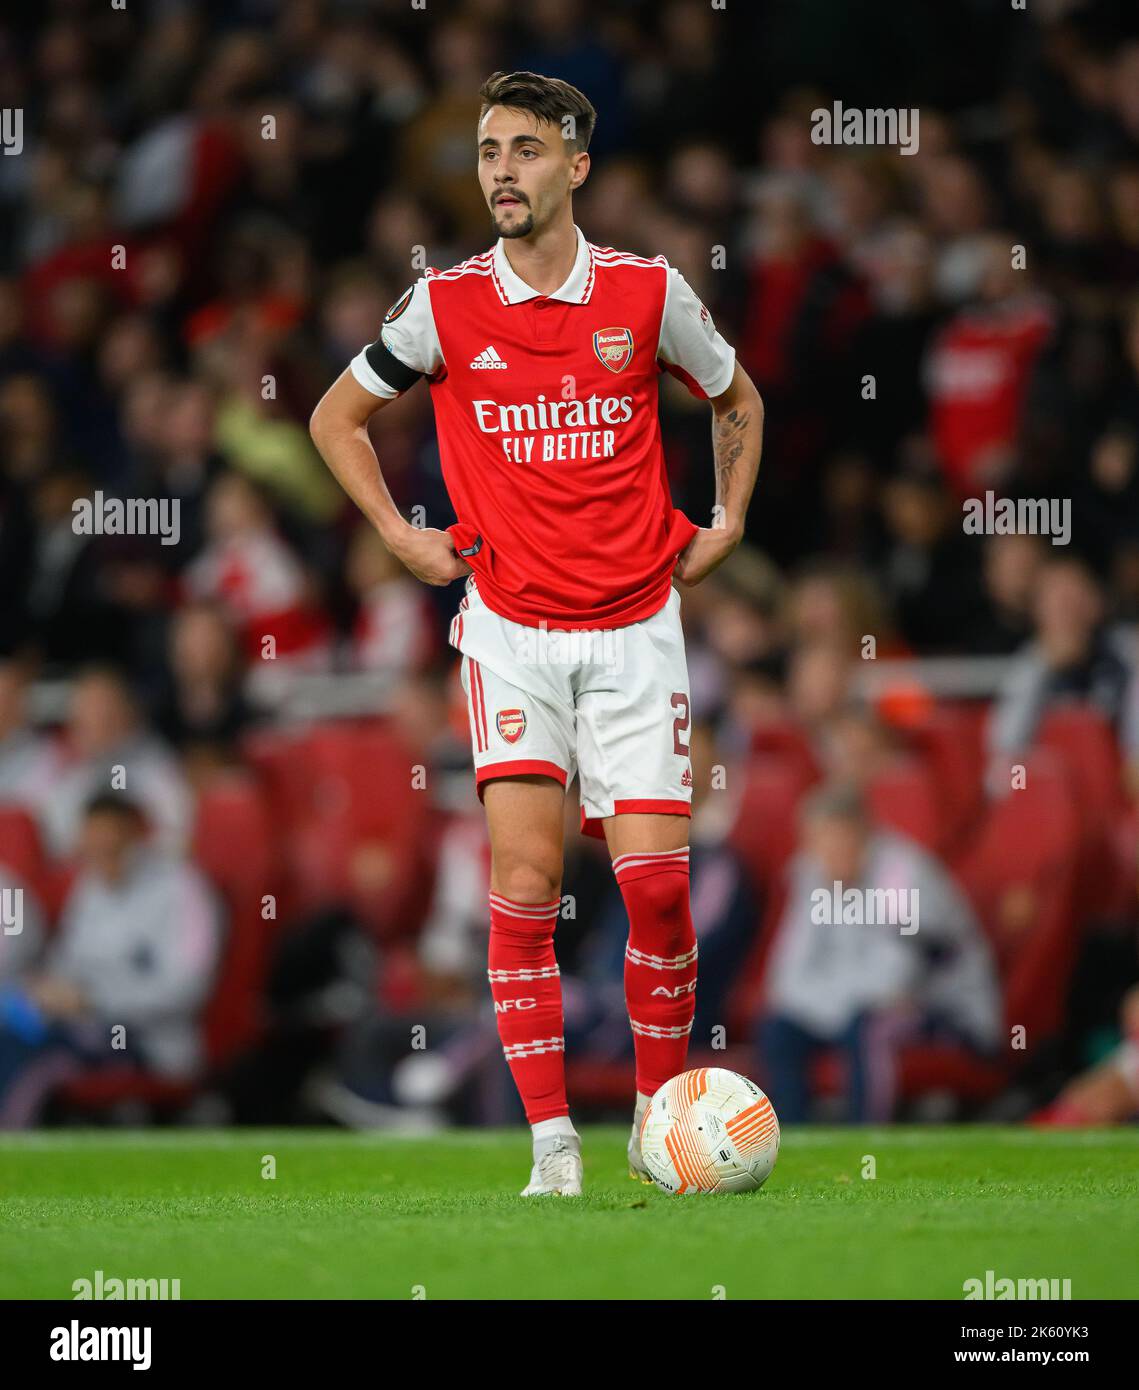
(557, 1167)
(637, 1169)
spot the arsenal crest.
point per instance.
(511, 724)
(614, 347)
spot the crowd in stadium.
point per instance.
(213, 207)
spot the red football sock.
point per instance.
(527, 989)
(660, 962)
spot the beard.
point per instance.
(517, 229)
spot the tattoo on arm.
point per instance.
(729, 435)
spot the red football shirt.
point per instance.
(549, 437)
(978, 372)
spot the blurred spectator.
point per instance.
(136, 951)
(106, 748)
(202, 712)
(66, 608)
(25, 756)
(819, 676)
(736, 637)
(1105, 500)
(838, 604)
(1108, 1093)
(863, 987)
(1074, 655)
(955, 204)
(856, 746)
(248, 568)
(1011, 574)
(892, 343)
(978, 368)
(437, 154)
(392, 631)
(169, 427)
(930, 568)
(430, 713)
(805, 308)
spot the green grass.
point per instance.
(362, 1216)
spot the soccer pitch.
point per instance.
(377, 1216)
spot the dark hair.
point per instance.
(549, 98)
(109, 803)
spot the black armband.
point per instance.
(387, 366)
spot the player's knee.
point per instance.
(526, 882)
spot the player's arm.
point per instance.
(407, 348)
(737, 441)
(691, 349)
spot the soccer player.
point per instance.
(543, 356)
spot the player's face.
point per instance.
(526, 170)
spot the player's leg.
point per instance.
(525, 816)
(650, 862)
(636, 789)
(524, 754)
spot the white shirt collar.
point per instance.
(578, 286)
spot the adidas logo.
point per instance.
(488, 360)
(686, 777)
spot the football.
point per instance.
(709, 1130)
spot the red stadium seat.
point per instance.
(923, 1068)
(1084, 740)
(786, 742)
(360, 791)
(235, 844)
(21, 849)
(234, 839)
(1085, 743)
(904, 798)
(278, 758)
(766, 829)
(950, 741)
(1021, 875)
(104, 1088)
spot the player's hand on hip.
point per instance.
(706, 551)
(430, 555)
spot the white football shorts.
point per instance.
(611, 705)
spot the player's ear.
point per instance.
(580, 169)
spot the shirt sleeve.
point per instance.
(407, 348)
(689, 345)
